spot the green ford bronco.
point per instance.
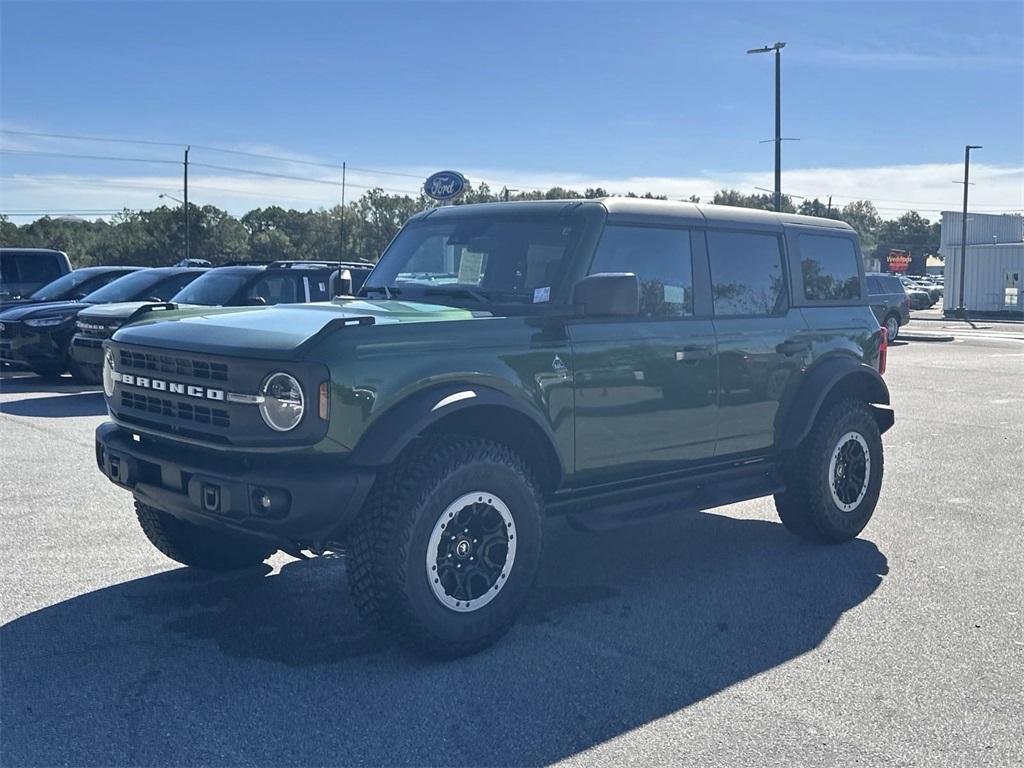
(604, 360)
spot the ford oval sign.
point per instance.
(444, 185)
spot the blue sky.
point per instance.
(630, 95)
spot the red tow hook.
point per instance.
(883, 350)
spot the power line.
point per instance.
(110, 212)
(86, 157)
(328, 182)
(208, 148)
(91, 138)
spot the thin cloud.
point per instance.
(926, 188)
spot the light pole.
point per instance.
(171, 197)
(185, 204)
(961, 311)
(778, 116)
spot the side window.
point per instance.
(660, 259)
(829, 268)
(37, 268)
(746, 274)
(276, 289)
(167, 288)
(320, 285)
(874, 286)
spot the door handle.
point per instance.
(692, 353)
(792, 347)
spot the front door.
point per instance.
(762, 342)
(645, 387)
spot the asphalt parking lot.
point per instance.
(712, 639)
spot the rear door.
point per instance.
(761, 338)
(646, 386)
(877, 298)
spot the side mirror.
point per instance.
(342, 283)
(608, 294)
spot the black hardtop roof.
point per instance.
(107, 268)
(637, 208)
(15, 249)
(173, 270)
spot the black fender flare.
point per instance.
(391, 432)
(800, 408)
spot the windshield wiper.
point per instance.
(456, 290)
(388, 292)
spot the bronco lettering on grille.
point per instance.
(191, 390)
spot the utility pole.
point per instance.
(829, 211)
(777, 48)
(186, 203)
(343, 169)
(961, 311)
(778, 127)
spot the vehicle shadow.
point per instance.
(624, 627)
(32, 384)
(86, 403)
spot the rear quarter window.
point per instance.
(828, 266)
(746, 274)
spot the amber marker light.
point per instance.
(325, 400)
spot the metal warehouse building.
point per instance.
(995, 263)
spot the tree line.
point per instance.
(361, 230)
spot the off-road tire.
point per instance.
(892, 321)
(83, 374)
(807, 507)
(49, 370)
(389, 544)
(199, 547)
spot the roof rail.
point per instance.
(244, 263)
(305, 264)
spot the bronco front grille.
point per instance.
(173, 365)
(197, 414)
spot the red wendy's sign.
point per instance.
(898, 260)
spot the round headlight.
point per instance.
(108, 373)
(282, 403)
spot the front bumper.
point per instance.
(23, 345)
(291, 501)
(87, 351)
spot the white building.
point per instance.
(994, 272)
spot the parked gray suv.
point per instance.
(889, 301)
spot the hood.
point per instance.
(6, 303)
(44, 309)
(119, 311)
(272, 332)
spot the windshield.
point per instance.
(128, 288)
(64, 287)
(484, 259)
(212, 289)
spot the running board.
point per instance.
(604, 511)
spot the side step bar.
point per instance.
(610, 509)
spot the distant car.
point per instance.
(38, 336)
(72, 286)
(26, 270)
(283, 282)
(889, 301)
(919, 297)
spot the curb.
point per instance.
(922, 337)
